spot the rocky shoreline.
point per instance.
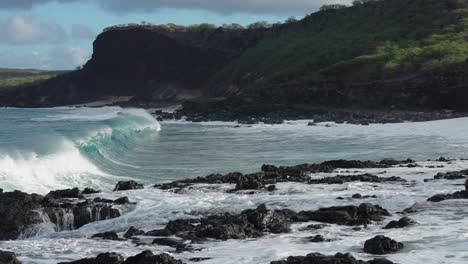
(71, 209)
(249, 113)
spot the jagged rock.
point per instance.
(150, 258)
(67, 193)
(107, 236)
(128, 185)
(382, 245)
(452, 175)
(146, 257)
(403, 222)
(122, 200)
(250, 182)
(132, 231)
(339, 258)
(442, 197)
(90, 191)
(345, 215)
(104, 258)
(7, 257)
(340, 179)
(159, 232)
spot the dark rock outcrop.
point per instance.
(21, 211)
(456, 195)
(271, 174)
(345, 215)
(68, 193)
(339, 258)
(90, 191)
(403, 222)
(107, 236)
(7, 257)
(103, 258)
(340, 179)
(382, 245)
(132, 231)
(145, 257)
(127, 185)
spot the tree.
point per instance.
(332, 7)
(259, 24)
(291, 20)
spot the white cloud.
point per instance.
(21, 29)
(82, 32)
(56, 58)
(220, 6)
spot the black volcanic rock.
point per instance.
(345, 215)
(103, 258)
(339, 258)
(127, 185)
(382, 245)
(68, 193)
(7, 257)
(90, 191)
(20, 211)
(147, 257)
(403, 222)
(107, 236)
(340, 179)
(132, 231)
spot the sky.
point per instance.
(58, 34)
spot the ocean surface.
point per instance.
(46, 149)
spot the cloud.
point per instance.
(218, 6)
(56, 58)
(20, 29)
(82, 32)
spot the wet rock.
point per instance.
(159, 232)
(104, 258)
(271, 188)
(107, 236)
(21, 211)
(128, 185)
(452, 175)
(67, 193)
(132, 231)
(250, 182)
(339, 258)
(442, 197)
(314, 227)
(340, 179)
(317, 239)
(382, 245)
(149, 257)
(90, 191)
(198, 259)
(7, 257)
(357, 196)
(122, 200)
(174, 243)
(345, 215)
(403, 222)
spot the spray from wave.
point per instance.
(91, 160)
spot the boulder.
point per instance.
(107, 236)
(67, 193)
(7, 257)
(382, 245)
(339, 258)
(148, 257)
(132, 231)
(103, 258)
(127, 185)
(403, 222)
(90, 191)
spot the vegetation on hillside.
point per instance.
(372, 40)
(14, 82)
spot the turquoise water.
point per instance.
(43, 149)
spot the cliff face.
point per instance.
(144, 62)
(407, 54)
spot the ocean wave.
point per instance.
(90, 161)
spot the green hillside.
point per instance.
(373, 41)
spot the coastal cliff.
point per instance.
(399, 54)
